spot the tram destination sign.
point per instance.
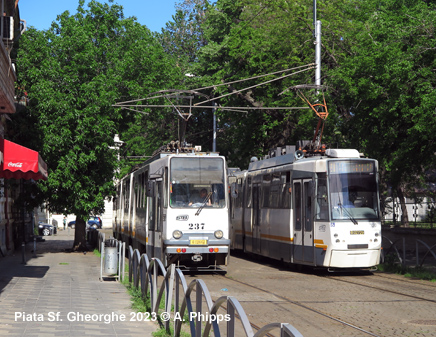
(350, 166)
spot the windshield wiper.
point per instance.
(206, 199)
(348, 214)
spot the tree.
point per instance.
(233, 40)
(384, 87)
(184, 36)
(248, 38)
(73, 73)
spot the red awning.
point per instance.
(20, 162)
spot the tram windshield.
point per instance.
(197, 182)
(353, 190)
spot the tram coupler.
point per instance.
(197, 257)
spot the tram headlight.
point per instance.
(219, 234)
(177, 234)
(377, 234)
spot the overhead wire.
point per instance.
(196, 90)
(254, 86)
(213, 107)
(254, 77)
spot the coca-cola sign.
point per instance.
(10, 164)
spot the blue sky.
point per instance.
(152, 13)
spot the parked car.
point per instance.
(95, 222)
(46, 229)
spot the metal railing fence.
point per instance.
(399, 251)
(173, 289)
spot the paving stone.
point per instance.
(60, 288)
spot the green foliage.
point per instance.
(377, 64)
(97, 252)
(247, 38)
(183, 37)
(73, 73)
(139, 304)
(384, 85)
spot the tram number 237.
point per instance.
(196, 226)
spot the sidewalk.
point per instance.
(58, 293)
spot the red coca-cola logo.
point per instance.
(15, 164)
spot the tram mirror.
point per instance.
(234, 190)
(150, 188)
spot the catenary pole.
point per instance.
(317, 36)
(214, 128)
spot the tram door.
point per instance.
(154, 246)
(255, 219)
(303, 221)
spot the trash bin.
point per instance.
(110, 260)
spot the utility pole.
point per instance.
(317, 35)
(214, 128)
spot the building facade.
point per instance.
(18, 164)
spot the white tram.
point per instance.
(321, 211)
(159, 209)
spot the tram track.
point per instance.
(363, 313)
(384, 289)
(299, 304)
(404, 280)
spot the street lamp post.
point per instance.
(118, 143)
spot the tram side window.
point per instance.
(285, 197)
(136, 192)
(138, 183)
(238, 199)
(144, 189)
(322, 210)
(165, 188)
(151, 215)
(140, 187)
(275, 191)
(308, 206)
(142, 192)
(116, 200)
(266, 186)
(159, 212)
(297, 206)
(249, 191)
(126, 195)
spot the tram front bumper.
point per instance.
(364, 258)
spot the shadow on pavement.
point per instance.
(12, 266)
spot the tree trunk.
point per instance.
(80, 236)
(405, 215)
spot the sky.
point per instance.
(151, 13)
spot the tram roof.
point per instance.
(271, 162)
(180, 154)
(290, 158)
